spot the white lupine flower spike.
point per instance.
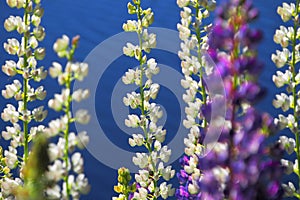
(193, 34)
(73, 181)
(152, 135)
(288, 57)
(22, 110)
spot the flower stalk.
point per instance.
(152, 170)
(295, 96)
(194, 35)
(62, 166)
(227, 171)
(28, 53)
(25, 83)
(288, 39)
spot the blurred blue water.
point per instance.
(97, 20)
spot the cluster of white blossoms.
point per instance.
(66, 169)
(289, 102)
(21, 113)
(151, 164)
(193, 34)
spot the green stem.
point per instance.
(293, 69)
(67, 130)
(25, 122)
(25, 87)
(126, 193)
(66, 137)
(140, 58)
(142, 107)
(199, 55)
(234, 55)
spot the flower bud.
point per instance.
(36, 20)
(39, 114)
(12, 46)
(6, 170)
(286, 11)
(33, 42)
(61, 44)
(83, 139)
(11, 3)
(55, 70)
(26, 75)
(10, 24)
(129, 49)
(20, 63)
(21, 27)
(130, 26)
(288, 165)
(147, 20)
(22, 4)
(32, 62)
(132, 121)
(40, 93)
(75, 40)
(18, 96)
(211, 5)
(131, 8)
(40, 53)
(82, 116)
(39, 33)
(182, 3)
(9, 68)
(39, 12)
(289, 189)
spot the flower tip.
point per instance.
(75, 40)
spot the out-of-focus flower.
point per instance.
(39, 114)
(69, 176)
(61, 45)
(82, 116)
(11, 158)
(233, 169)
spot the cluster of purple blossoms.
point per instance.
(241, 165)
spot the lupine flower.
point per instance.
(193, 65)
(82, 116)
(34, 170)
(25, 66)
(61, 45)
(66, 169)
(9, 68)
(287, 38)
(239, 166)
(152, 170)
(124, 188)
(286, 11)
(39, 114)
(246, 160)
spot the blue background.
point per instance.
(97, 20)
